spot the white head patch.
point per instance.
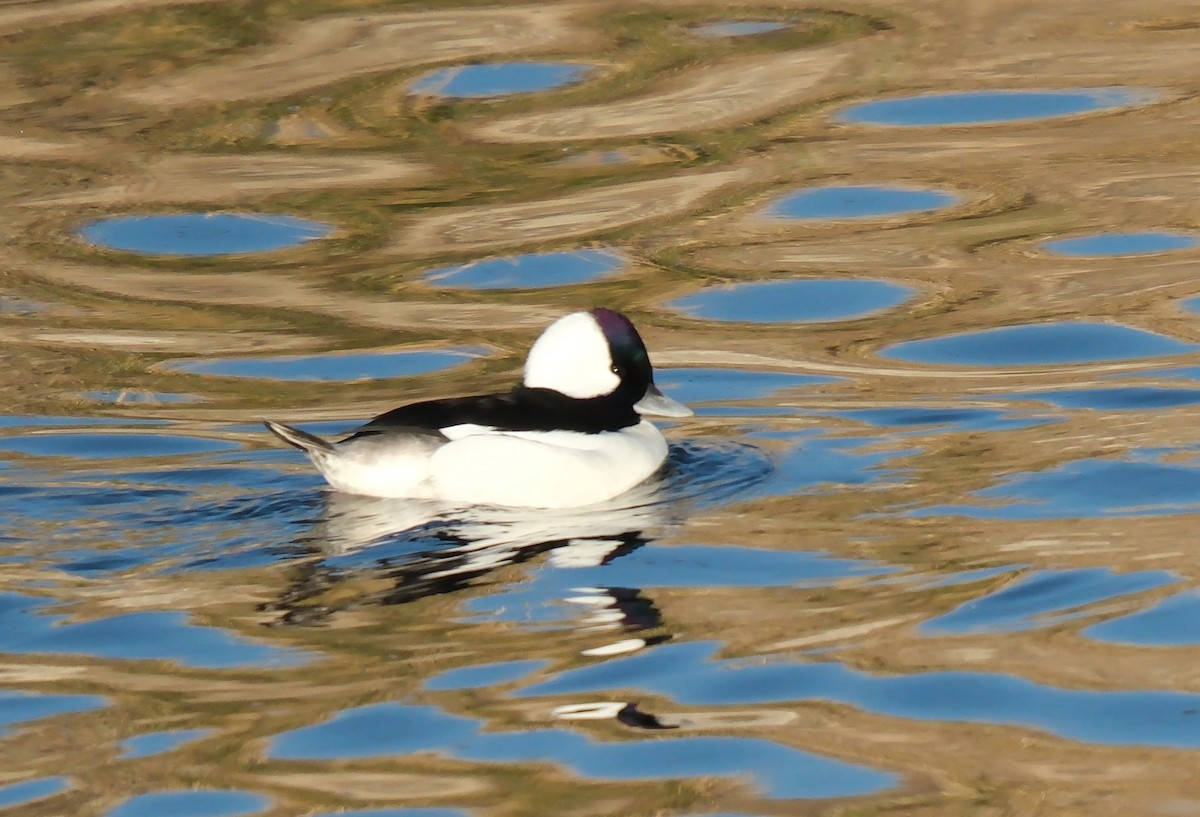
(572, 357)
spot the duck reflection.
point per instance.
(372, 550)
(375, 550)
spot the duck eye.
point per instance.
(616, 370)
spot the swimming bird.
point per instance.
(570, 434)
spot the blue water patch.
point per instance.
(1132, 398)
(984, 107)
(395, 812)
(192, 803)
(657, 566)
(157, 743)
(858, 201)
(221, 511)
(485, 675)
(1170, 623)
(737, 28)
(693, 386)
(102, 446)
(498, 79)
(198, 234)
(149, 635)
(389, 729)
(793, 301)
(1042, 599)
(1193, 304)
(335, 366)
(538, 598)
(1087, 488)
(137, 397)
(530, 270)
(962, 418)
(814, 463)
(690, 674)
(41, 421)
(1039, 344)
(1104, 244)
(17, 707)
(17, 794)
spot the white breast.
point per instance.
(549, 469)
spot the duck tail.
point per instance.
(310, 444)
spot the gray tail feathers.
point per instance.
(308, 443)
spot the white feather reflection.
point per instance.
(427, 548)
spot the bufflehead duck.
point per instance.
(571, 434)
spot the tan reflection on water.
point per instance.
(119, 106)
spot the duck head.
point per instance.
(586, 355)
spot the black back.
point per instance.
(539, 409)
(522, 409)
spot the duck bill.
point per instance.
(657, 403)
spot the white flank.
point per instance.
(546, 469)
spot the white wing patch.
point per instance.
(572, 357)
(457, 432)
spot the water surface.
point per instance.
(793, 301)
(529, 271)
(18, 794)
(335, 366)
(197, 803)
(391, 729)
(928, 541)
(858, 201)
(984, 107)
(1045, 344)
(202, 234)
(737, 28)
(498, 79)
(1117, 243)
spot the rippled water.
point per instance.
(202, 233)
(737, 28)
(927, 545)
(858, 201)
(983, 107)
(1135, 243)
(334, 366)
(498, 79)
(529, 271)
